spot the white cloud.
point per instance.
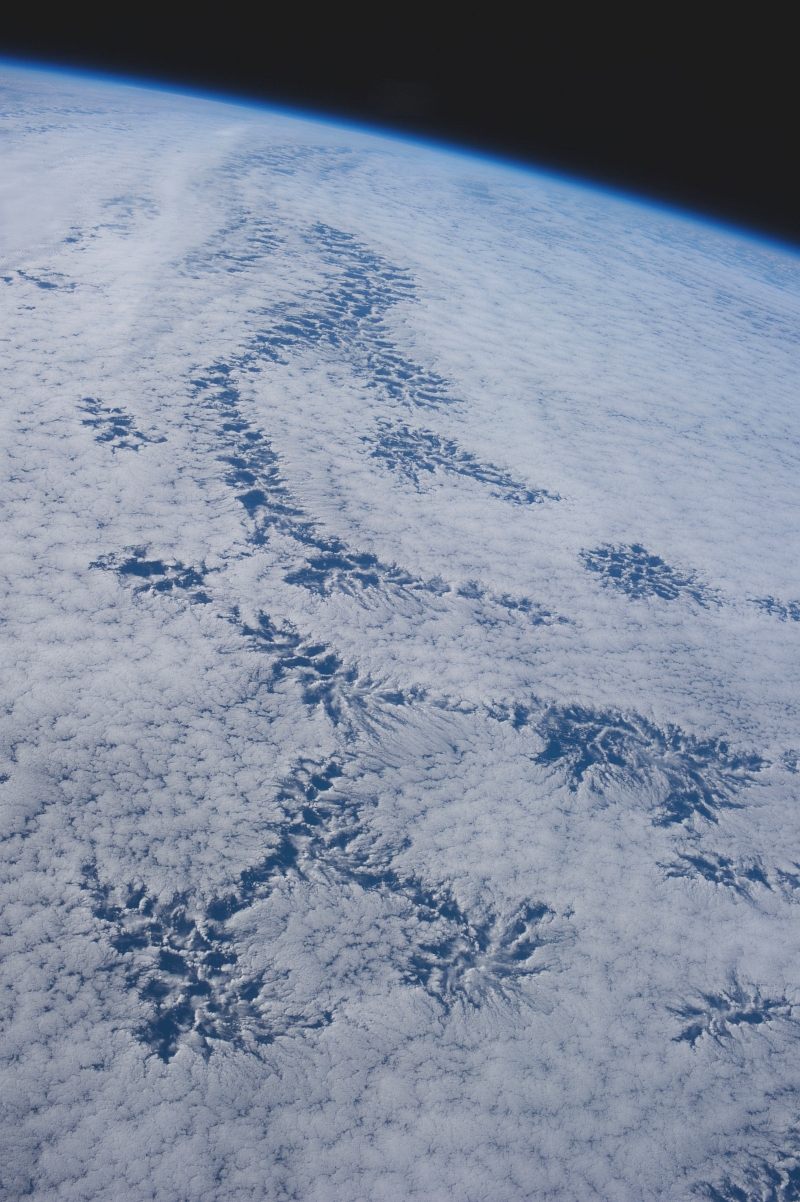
(379, 824)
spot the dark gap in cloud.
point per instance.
(717, 1015)
(416, 453)
(533, 611)
(348, 317)
(181, 959)
(639, 574)
(321, 674)
(467, 959)
(246, 242)
(155, 576)
(184, 968)
(790, 759)
(51, 281)
(694, 778)
(123, 213)
(254, 472)
(335, 569)
(789, 881)
(114, 426)
(738, 875)
(745, 875)
(761, 1181)
(778, 609)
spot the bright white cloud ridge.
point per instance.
(400, 666)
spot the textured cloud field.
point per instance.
(401, 638)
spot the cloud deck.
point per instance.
(399, 770)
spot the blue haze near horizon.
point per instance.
(400, 745)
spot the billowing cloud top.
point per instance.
(402, 612)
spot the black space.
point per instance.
(706, 119)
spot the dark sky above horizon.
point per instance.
(708, 120)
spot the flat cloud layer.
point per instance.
(400, 737)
